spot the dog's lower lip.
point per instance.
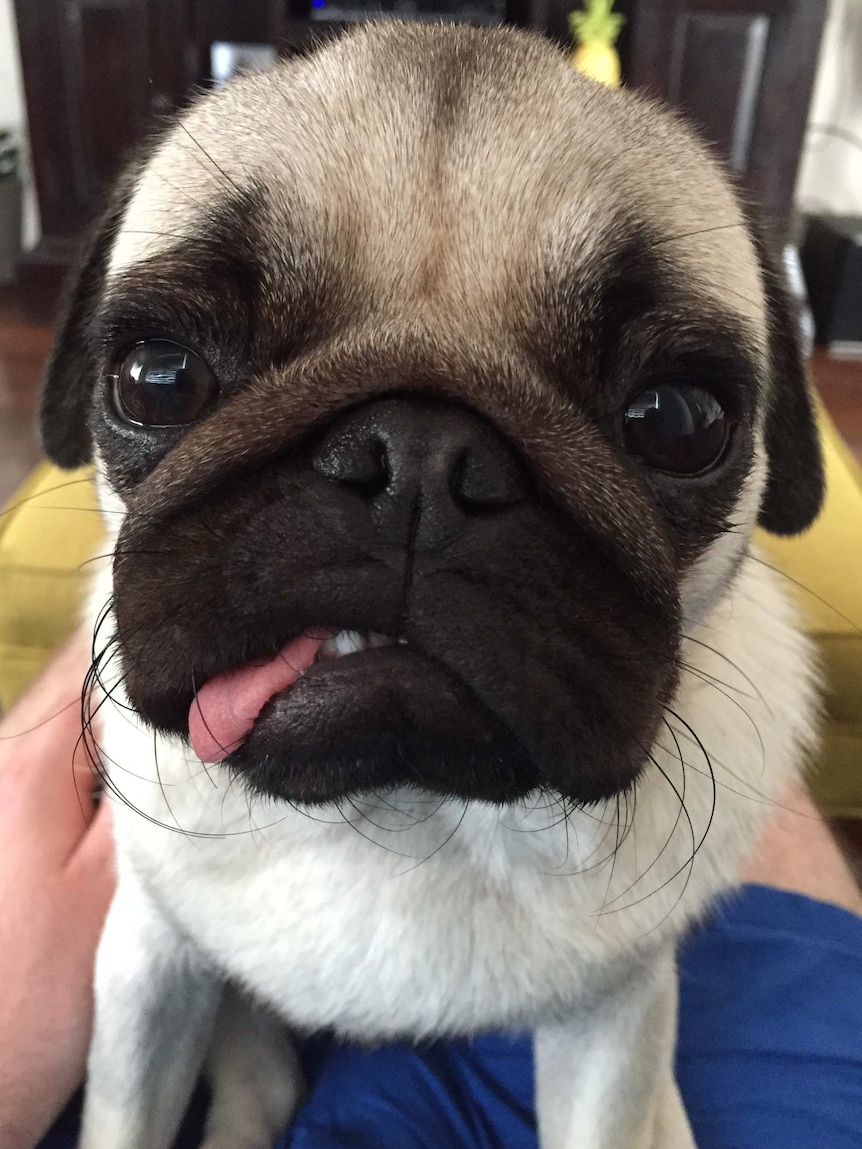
(359, 678)
(376, 719)
(225, 707)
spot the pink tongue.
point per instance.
(224, 710)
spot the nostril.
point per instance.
(360, 463)
(398, 454)
(373, 477)
(486, 480)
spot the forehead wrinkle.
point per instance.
(629, 277)
(432, 166)
(166, 210)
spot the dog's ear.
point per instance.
(795, 481)
(71, 370)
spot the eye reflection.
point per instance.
(677, 427)
(163, 384)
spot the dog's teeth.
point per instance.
(351, 641)
(348, 641)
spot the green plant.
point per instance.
(595, 29)
(596, 22)
(8, 154)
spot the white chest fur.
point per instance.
(405, 915)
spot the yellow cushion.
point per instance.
(825, 565)
(49, 531)
(51, 528)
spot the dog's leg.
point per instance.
(672, 1127)
(604, 1079)
(155, 1006)
(254, 1075)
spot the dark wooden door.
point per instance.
(98, 74)
(743, 71)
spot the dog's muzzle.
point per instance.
(393, 602)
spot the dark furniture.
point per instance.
(100, 73)
(743, 70)
(831, 253)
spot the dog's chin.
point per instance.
(380, 720)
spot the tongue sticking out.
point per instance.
(225, 709)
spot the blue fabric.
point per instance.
(475, 1093)
(770, 1040)
(770, 1052)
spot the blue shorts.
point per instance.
(770, 1053)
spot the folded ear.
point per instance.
(795, 482)
(71, 372)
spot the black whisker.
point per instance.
(729, 661)
(231, 182)
(807, 590)
(669, 839)
(691, 234)
(39, 494)
(437, 849)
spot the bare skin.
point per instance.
(798, 853)
(56, 881)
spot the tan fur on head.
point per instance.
(491, 148)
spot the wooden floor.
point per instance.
(839, 382)
(24, 349)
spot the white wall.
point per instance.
(13, 112)
(830, 177)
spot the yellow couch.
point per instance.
(825, 565)
(51, 528)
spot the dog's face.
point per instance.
(427, 339)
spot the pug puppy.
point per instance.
(434, 394)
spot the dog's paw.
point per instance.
(237, 1139)
(252, 1109)
(254, 1121)
(254, 1076)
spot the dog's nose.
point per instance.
(424, 469)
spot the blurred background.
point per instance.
(776, 85)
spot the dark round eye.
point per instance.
(677, 427)
(162, 384)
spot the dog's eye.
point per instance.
(677, 427)
(162, 384)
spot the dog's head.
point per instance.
(427, 339)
